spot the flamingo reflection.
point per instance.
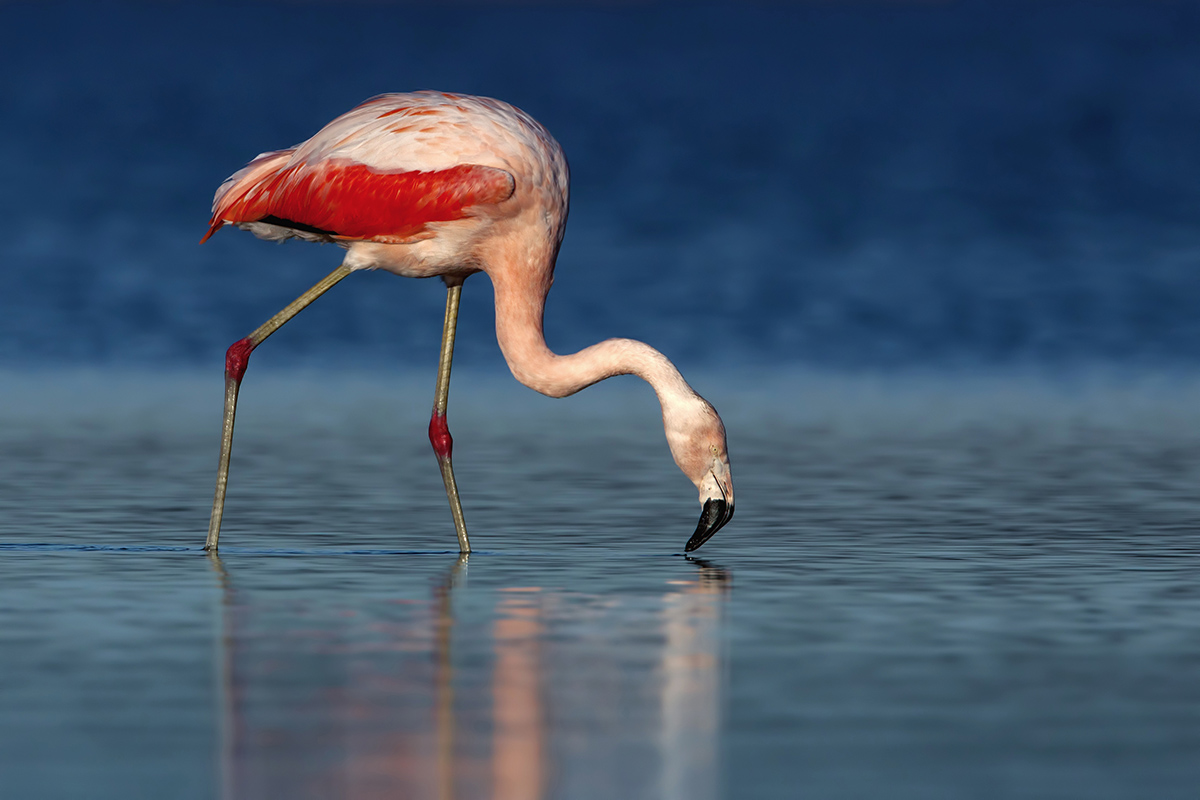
(691, 695)
(519, 732)
(449, 698)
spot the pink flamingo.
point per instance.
(428, 184)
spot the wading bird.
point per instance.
(427, 184)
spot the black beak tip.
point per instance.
(714, 516)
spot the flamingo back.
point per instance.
(384, 171)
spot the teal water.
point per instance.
(933, 587)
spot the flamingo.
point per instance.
(433, 184)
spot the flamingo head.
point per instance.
(696, 436)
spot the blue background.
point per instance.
(946, 577)
(860, 185)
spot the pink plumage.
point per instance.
(322, 186)
(433, 184)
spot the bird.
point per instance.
(434, 184)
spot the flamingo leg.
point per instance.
(439, 432)
(236, 360)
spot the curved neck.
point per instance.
(519, 310)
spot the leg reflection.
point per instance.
(323, 693)
(444, 687)
(223, 670)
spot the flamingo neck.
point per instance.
(519, 309)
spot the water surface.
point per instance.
(932, 588)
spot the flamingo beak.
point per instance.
(715, 514)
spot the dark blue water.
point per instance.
(869, 184)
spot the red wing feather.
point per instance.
(353, 201)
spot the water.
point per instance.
(933, 587)
(863, 184)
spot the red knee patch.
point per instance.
(439, 435)
(236, 359)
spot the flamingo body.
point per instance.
(427, 184)
(429, 170)
(348, 201)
